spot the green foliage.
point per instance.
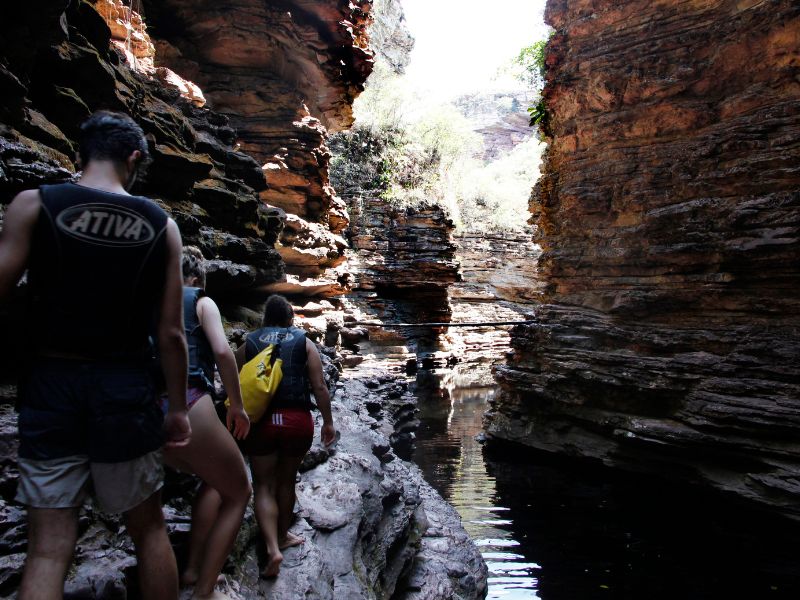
(538, 113)
(531, 60)
(494, 196)
(408, 150)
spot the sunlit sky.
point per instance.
(461, 44)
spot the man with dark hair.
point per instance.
(103, 270)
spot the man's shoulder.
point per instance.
(28, 198)
(23, 209)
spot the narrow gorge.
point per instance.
(653, 280)
(237, 103)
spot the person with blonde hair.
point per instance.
(212, 453)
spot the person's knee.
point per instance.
(52, 533)
(145, 520)
(238, 492)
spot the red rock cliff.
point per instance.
(285, 73)
(669, 215)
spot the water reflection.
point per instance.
(561, 531)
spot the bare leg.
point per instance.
(205, 512)
(52, 533)
(266, 506)
(214, 457)
(286, 477)
(158, 572)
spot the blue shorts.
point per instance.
(106, 411)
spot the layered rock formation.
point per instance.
(389, 35)
(500, 118)
(405, 251)
(373, 528)
(197, 174)
(403, 263)
(285, 73)
(498, 275)
(668, 215)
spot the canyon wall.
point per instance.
(285, 74)
(669, 216)
(236, 100)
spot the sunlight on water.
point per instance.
(560, 532)
(458, 471)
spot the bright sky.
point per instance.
(460, 44)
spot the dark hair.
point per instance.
(193, 264)
(278, 312)
(111, 136)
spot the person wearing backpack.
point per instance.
(212, 454)
(280, 439)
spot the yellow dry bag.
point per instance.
(259, 379)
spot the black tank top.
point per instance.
(96, 272)
(201, 356)
(293, 391)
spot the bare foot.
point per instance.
(189, 577)
(273, 565)
(289, 541)
(214, 595)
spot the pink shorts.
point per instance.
(289, 431)
(193, 394)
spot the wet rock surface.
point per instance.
(372, 527)
(667, 215)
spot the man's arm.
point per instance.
(172, 342)
(320, 390)
(15, 238)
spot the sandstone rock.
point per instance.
(308, 248)
(499, 117)
(196, 175)
(667, 218)
(407, 255)
(285, 76)
(389, 35)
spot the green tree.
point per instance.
(531, 60)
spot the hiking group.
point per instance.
(108, 278)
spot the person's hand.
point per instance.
(177, 429)
(327, 434)
(238, 422)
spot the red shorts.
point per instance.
(289, 431)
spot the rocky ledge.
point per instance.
(373, 527)
(668, 218)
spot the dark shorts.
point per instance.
(106, 411)
(289, 431)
